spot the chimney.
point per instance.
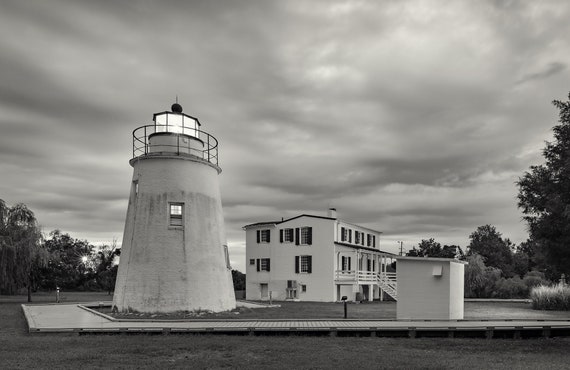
(331, 213)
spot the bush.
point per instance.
(511, 288)
(535, 278)
(556, 297)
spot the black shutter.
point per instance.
(296, 264)
(269, 236)
(258, 236)
(309, 264)
(373, 241)
(350, 236)
(297, 236)
(310, 236)
(342, 263)
(280, 235)
(258, 265)
(268, 264)
(348, 263)
(342, 231)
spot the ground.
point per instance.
(18, 349)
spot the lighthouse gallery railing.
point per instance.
(142, 145)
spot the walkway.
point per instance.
(59, 318)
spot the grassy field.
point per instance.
(18, 349)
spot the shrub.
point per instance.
(510, 288)
(535, 278)
(556, 297)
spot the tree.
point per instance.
(71, 264)
(544, 197)
(238, 279)
(21, 251)
(496, 251)
(431, 248)
(106, 270)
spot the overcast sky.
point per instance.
(414, 118)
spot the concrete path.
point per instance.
(78, 318)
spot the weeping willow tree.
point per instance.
(21, 251)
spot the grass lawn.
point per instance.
(367, 310)
(18, 349)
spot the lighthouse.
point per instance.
(174, 255)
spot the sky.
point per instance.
(414, 118)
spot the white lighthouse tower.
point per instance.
(174, 255)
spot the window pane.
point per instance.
(288, 235)
(176, 209)
(304, 235)
(304, 263)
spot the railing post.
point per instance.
(146, 144)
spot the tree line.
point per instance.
(34, 262)
(31, 261)
(497, 267)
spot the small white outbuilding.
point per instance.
(430, 288)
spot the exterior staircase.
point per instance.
(387, 282)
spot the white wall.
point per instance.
(421, 295)
(319, 283)
(165, 268)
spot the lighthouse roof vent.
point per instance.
(176, 108)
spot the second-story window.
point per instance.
(264, 236)
(286, 235)
(357, 237)
(345, 262)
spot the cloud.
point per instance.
(550, 70)
(403, 115)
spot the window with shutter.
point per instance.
(342, 234)
(265, 264)
(306, 235)
(306, 264)
(288, 235)
(265, 236)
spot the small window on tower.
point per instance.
(176, 212)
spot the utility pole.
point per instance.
(401, 247)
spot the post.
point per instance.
(57, 295)
(270, 297)
(345, 310)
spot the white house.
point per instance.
(316, 258)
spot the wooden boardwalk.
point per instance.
(65, 318)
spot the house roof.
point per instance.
(274, 223)
(257, 224)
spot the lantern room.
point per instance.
(175, 133)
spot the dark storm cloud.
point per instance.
(550, 70)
